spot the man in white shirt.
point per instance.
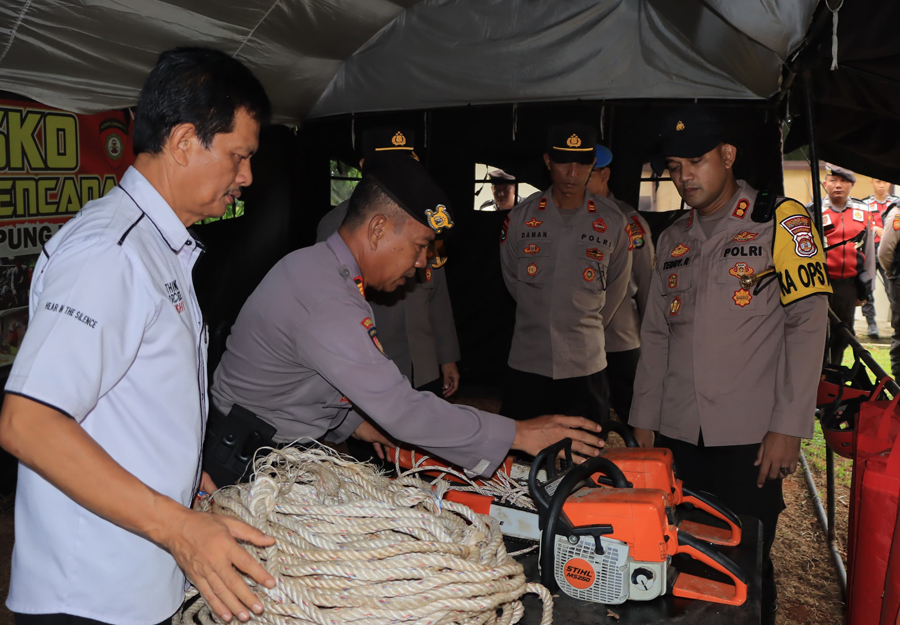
(106, 403)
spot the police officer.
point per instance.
(887, 257)
(879, 203)
(566, 261)
(415, 322)
(304, 356)
(106, 402)
(729, 361)
(503, 190)
(623, 340)
(851, 265)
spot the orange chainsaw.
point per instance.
(609, 545)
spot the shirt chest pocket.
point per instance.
(679, 294)
(534, 261)
(743, 288)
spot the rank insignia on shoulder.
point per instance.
(858, 215)
(599, 225)
(673, 280)
(675, 306)
(427, 274)
(589, 274)
(533, 223)
(800, 227)
(594, 253)
(745, 236)
(531, 269)
(741, 209)
(592, 208)
(369, 325)
(742, 297)
(438, 218)
(542, 204)
(680, 250)
(358, 281)
(896, 223)
(531, 248)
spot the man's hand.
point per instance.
(539, 433)
(644, 438)
(777, 458)
(205, 547)
(451, 378)
(206, 484)
(368, 432)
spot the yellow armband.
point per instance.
(798, 253)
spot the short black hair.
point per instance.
(200, 86)
(367, 199)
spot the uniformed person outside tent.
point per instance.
(888, 258)
(415, 322)
(305, 358)
(106, 402)
(851, 253)
(732, 338)
(623, 331)
(566, 260)
(503, 190)
(879, 203)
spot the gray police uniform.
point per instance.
(623, 340)
(415, 322)
(887, 257)
(723, 363)
(568, 276)
(304, 351)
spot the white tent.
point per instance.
(320, 58)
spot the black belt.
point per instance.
(231, 442)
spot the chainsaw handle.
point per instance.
(621, 429)
(706, 589)
(553, 512)
(546, 459)
(711, 505)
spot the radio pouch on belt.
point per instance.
(231, 443)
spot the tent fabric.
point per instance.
(320, 58)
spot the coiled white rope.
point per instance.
(353, 546)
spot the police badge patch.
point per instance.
(680, 250)
(673, 280)
(675, 306)
(531, 269)
(594, 253)
(589, 274)
(800, 227)
(531, 248)
(599, 225)
(533, 223)
(369, 325)
(745, 236)
(896, 222)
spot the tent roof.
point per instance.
(320, 58)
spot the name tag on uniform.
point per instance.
(858, 215)
(826, 220)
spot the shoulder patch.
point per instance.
(369, 325)
(798, 254)
(896, 224)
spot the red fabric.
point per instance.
(874, 498)
(844, 261)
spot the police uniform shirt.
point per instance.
(887, 251)
(623, 332)
(568, 278)
(116, 341)
(715, 356)
(305, 346)
(415, 322)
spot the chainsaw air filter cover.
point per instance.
(610, 578)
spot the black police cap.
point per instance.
(406, 182)
(688, 132)
(834, 170)
(571, 143)
(385, 140)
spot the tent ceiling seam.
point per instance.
(250, 34)
(15, 30)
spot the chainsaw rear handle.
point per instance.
(621, 429)
(693, 587)
(550, 515)
(712, 506)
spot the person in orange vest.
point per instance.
(850, 268)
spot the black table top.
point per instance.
(668, 608)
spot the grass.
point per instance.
(814, 449)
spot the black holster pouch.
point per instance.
(231, 442)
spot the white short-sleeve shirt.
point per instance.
(116, 341)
